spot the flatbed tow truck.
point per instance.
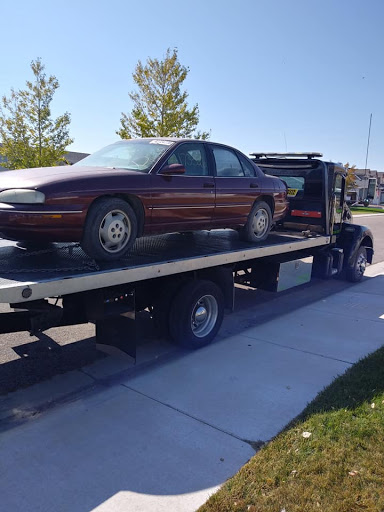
(187, 280)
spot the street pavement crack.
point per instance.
(253, 444)
(345, 315)
(296, 349)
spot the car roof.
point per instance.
(181, 139)
(171, 139)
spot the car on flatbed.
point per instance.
(141, 187)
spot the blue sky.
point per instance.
(301, 75)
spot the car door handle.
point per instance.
(209, 185)
(254, 185)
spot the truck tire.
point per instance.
(196, 314)
(110, 229)
(356, 272)
(259, 223)
(162, 307)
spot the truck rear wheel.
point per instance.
(356, 272)
(196, 314)
(162, 307)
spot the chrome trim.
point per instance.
(178, 207)
(233, 205)
(207, 206)
(44, 212)
(184, 175)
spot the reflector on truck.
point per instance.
(306, 213)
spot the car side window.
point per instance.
(192, 156)
(247, 166)
(227, 163)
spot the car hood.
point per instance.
(37, 177)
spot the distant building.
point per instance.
(369, 185)
(71, 157)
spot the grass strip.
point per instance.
(330, 458)
(367, 210)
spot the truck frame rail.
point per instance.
(27, 275)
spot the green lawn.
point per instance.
(330, 459)
(366, 210)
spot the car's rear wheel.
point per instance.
(110, 229)
(259, 223)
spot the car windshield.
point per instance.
(134, 154)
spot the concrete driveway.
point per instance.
(166, 437)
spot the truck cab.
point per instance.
(317, 196)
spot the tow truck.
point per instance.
(187, 280)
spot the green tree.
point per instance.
(29, 135)
(160, 107)
(351, 176)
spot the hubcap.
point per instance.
(260, 223)
(115, 231)
(361, 264)
(204, 316)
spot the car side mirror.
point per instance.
(171, 169)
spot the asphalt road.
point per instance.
(376, 225)
(26, 360)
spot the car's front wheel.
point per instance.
(259, 223)
(110, 229)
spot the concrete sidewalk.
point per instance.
(167, 437)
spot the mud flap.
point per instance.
(118, 331)
(115, 320)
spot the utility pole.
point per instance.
(369, 136)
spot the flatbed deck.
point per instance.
(64, 268)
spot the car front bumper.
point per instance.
(51, 223)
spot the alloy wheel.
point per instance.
(115, 231)
(260, 223)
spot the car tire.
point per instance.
(356, 272)
(110, 229)
(259, 223)
(196, 314)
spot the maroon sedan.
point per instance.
(140, 187)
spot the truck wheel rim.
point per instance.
(114, 231)
(204, 316)
(260, 223)
(361, 264)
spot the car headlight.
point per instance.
(21, 195)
